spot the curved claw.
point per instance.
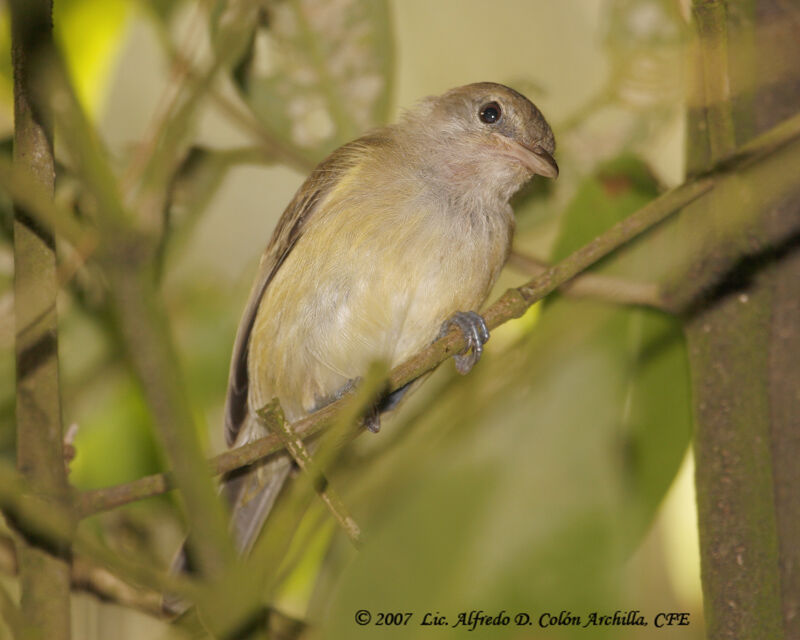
(476, 334)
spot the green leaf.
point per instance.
(163, 10)
(644, 43)
(318, 73)
(89, 32)
(115, 440)
(654, 414)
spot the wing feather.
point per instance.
(290, 228)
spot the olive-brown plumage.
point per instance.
(387, 238)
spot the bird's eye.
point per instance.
(490, 113)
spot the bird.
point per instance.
(391, 240)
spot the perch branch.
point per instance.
(598, 287)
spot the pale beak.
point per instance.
(533, 157)
(541, 162)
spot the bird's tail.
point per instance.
(251, 493)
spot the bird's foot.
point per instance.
(372, 420)
(476, 334)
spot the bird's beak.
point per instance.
(533, 157)
(541, 162)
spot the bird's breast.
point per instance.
(369, 283)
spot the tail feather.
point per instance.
(251, 492)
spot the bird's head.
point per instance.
(486, 132)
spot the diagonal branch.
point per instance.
(599, 287)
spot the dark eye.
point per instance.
(490, 113)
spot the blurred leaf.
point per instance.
(318, 73)
(644, 42)
(115, 440)
(654, 407)
(89, 32)
(204, 331)
(164, 10)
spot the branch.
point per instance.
(713, 42)
(94, 579)
(145, 332)
(514, 302)
(147, 178)
(598, 287)
(142, 325)
(44, 572)
(238, 112)
(741, 336)
(50, 525)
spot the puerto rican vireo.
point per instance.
(391, 236)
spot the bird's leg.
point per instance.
(476, 334)
(372, 419)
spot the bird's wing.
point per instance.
(306, 202)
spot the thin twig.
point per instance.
(167, 103)
(711, 27)
(95, 579)
(51, 525)
(246, 121)
(240, 114)
(590, 285)
(272, 417)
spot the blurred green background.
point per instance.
(555, 476)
